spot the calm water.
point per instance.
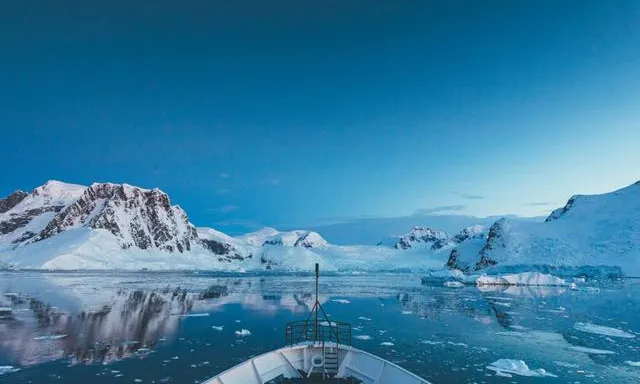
(155, 328)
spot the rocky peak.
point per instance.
(558, 213)
(472, 232)
(137, 217)
(495, 240)
(422, 235)
(12, 200)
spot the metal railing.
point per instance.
(304, 331)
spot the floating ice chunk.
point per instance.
(5, 310)
(565, 364)
(328, 323)
(363, 337)
(592, 351)
(524, 278)
(341, 301)
(243, 332)
(517, 367)
(364, 318)
(49, 337)
(429, 342)
(602, 330)
(633, 363)
(218, 328)
(406, 312)
(453, 284)
(387, 344)
(5, 369)
(503, 374)
(195, 315)
(137, 380)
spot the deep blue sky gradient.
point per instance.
(301, 112)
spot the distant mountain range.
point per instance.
(119, 226)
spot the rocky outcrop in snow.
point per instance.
(24, 215)
(422, 237)
(137, 217)
(305, 239)
(11, 201)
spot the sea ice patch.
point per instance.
(602, 330)
(363, 337)
(5, 369)
(387, 344)
(592, 351)
(218, 328)
(517, 367)
(341, 301)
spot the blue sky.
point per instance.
(302, 112)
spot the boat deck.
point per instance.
(314, 380)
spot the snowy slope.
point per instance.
(596, 230)
(28, 214)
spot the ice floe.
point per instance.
(633, 363)
(453, 284)
(592, 351)
(387, 344)
(243, 332)
(195, 315)
(49, 337)
(363, 337)
(5, 369)
(524, 278)
(341, 301)
(517, 367)
(364, 318)
(218, 328)
(602, 330)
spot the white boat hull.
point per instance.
(296, 362)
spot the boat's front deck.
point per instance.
(315, 379)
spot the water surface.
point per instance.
(161, 328)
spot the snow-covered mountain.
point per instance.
(433, 239)
(103, 226)
(119, 226)
(590, 230)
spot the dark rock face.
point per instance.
(140, 218)
(11, 201)
(558, 213)
(452, 262)
(465, 235)
(19, 220)
(268, 264)
(495, 240)
(226, 251)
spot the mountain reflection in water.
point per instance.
(183, 327)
